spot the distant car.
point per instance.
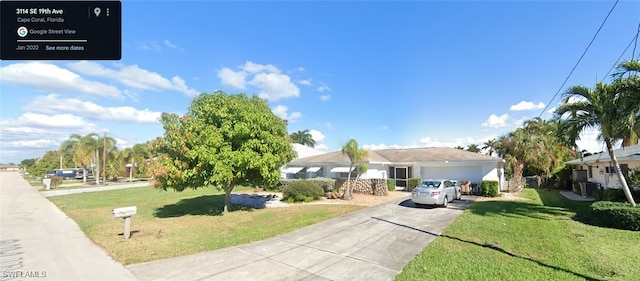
(436, 192)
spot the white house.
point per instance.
(402, 164)
(598, 168)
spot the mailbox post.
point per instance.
(126, 214)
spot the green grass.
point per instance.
(545, 238)
(170, 223)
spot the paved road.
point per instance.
(371, 244)
(39, 242)
(54, 192)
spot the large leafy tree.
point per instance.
(604, 107)
(303, 137)
(223, 140)
(48, 162)
(356, 156)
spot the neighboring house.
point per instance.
(402, 164)
(598, 168)
(9, 168)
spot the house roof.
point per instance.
(625, 153)
(423, 154)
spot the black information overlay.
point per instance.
(61, 30)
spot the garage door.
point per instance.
(473, 174)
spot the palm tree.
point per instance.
(356, 155)
(490, 145)
(459, 147)
(473, 148)
(630, 87)
(602, 107)
(303, 137)
(84, 152)
(67, 149)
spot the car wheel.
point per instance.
(445, 202)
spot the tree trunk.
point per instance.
(347, 190)
(227, 199)
(84, 174)
(623, 181)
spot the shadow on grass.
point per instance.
(495, 248)
(207, 205)
(581, 210)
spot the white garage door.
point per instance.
(471, 173)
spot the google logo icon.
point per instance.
(22, 31)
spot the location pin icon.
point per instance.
(97, 12)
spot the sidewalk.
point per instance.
(38, 241)
(60, 192)
(575, 197)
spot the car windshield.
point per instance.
(430, 184)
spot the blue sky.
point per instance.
(388, 74)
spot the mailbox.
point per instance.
(124, 212)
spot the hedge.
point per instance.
(489, 189)
(617, 215)
(302, 191)
(412, 183)
(391, 184)
(327, 184)
(614, 195)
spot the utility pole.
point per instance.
(104, 159)
(97, 175)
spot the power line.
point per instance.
(580, 59)
(634, 39)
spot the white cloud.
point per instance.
(39, 143)
(281, 111)
(321, 146)
(323, 87)
(495, 121)
(272, 85)
(50, 121)
(381, 128)
(134, 76)
(325, 97)
(50, 77)
(169, 44)
(306, 82)
(52, 104)
(232, 78)
(526, 105)
(317, 135)
(381, 146)
(148, 45)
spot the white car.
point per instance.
(436, 192)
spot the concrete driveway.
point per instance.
(371, 244)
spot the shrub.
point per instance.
(280, 185)
(614, 195)
(56, 181)
(412, 183)
(302, 191)
(489, 189)
(391, 184)
(617, 215)
(327, 184)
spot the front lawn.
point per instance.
(170, 223)
(538, 239)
